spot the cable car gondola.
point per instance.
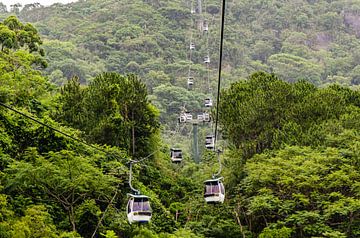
(189, 117)
(210, 142)
(138, 209)
(192, 46)
(182, 118)
(208, 102)
(176, 155)
(190, 82)
(214, 191)
(200, 117)
(207, 117)
(205, 26)
(207, 59)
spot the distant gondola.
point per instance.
(205, 26)
(208, 102)
(182, 118)
(210, 142)
(176, 155)
(189, 117)
(206, 117)
(190, 82)
(207, 59)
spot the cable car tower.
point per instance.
(186, 117)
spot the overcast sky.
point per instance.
(42, 2)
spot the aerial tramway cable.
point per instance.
(214, 191)
(220, 69)
(205, 29)
(51, 128)
(138, 208)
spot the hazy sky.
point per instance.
(42, 2)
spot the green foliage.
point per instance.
(265, 112)
(292, 168)
(283, 232)
(36, 223)
(313, 40)
(309, 192)
(66, 179)
(112, 110)
(14, 34)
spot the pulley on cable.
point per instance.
(138, 207)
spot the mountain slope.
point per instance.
(315, 40)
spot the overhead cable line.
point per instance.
(52, 128)
(67, 135)
(220, 68)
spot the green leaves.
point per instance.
(265, 112)
(7, 37)
(112, 110)
(311, 191)
(15, 35)
(73, 183)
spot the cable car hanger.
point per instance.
(135, 191)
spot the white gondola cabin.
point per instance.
(192, 46)
(208, 102)
(207, 59)
(190, 81)
(176, 155)
(214, 191)
(189, 117)
(200, 117)
(182, 118)
(210, 142)
(205, 26)
(138, 209)
(206, 117)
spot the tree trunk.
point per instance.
(72, 218)
(133, 134)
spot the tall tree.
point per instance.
(114, 111)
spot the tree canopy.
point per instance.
(290, 165)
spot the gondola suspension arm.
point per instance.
(136, 192)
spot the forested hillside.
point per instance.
(88, 87)
(312, 40)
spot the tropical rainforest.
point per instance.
(88, 87)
